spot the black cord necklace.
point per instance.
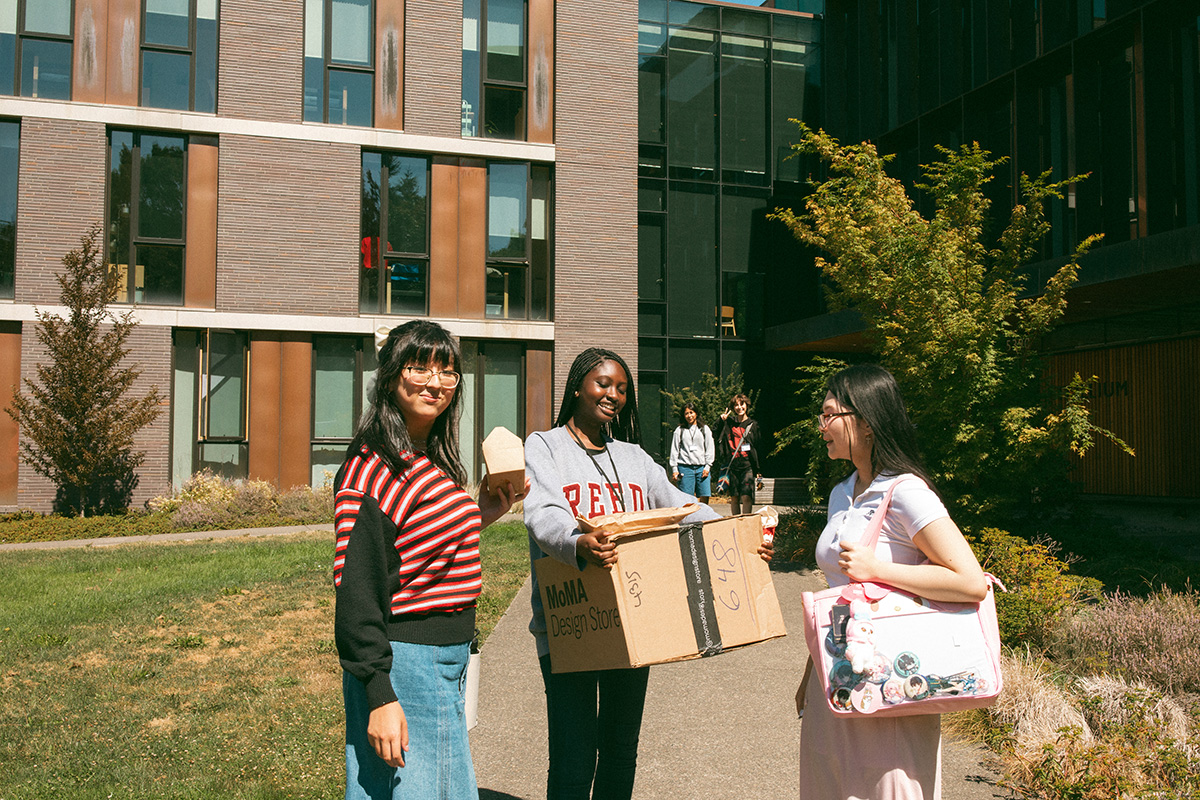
(619, 495)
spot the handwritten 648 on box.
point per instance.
(676, 592)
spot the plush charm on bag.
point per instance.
(860, 638)
(879, 650)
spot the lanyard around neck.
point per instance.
(619, 495)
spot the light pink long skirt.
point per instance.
(894, 758)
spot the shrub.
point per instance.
(1089, 739)
(1153, 639)
(28, 526)
(305, 504)
(1039, 588)
(203, 487)
(1135, 750)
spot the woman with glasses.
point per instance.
(920, 550)
(407, 576)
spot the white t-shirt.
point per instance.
(914, 505)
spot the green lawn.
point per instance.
(199, 670)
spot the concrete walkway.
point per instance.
(197, 536)
(720, 728)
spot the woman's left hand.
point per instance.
(493, 506)
(857, 562)
(705, 473)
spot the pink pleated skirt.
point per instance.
(894, 758)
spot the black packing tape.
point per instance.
(700, 591)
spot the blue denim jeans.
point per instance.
(693, 481)
(595, 719)
(429, 681)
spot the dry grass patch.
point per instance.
(1032, 707)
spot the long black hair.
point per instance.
(872, 394)
(683, 423)
(625, 426)
(382, 427)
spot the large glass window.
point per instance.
(394, 263)
(652, 69)
(692, 104)
(339, 73)
(744, 131)
(146, 191)
(342, 372)
(35, 48)
(491, 395)
(519, 214)
(208, 427)
(10, 145)
(179, 54)
(692, 261)
(493, 69)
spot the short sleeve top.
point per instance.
(914, 505)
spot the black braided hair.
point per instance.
(625, 426)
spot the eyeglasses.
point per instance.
(824, 419)
(421, 376)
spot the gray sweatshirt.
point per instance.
(566, 482)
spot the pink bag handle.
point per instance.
(867, 590)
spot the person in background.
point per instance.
(920, 550)
(590, 464)
(692, 454)
(737, 449)
(407, 575)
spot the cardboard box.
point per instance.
(676, 593)
(504, 456)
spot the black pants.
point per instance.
(594, 722)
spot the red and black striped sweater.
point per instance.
(406, 566)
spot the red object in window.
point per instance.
(370, 251)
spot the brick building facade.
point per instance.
(260, 249)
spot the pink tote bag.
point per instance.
(881, 651)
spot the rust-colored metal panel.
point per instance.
(266, 382)
(539, 390)
(295, 412)
(10, 380)
(540, 104)
(91, 51)
(389, 64)
(472, 240)
(1160, 376)
(443, 239)
(200, 272)
(122, 75)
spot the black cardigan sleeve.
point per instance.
(364, 603)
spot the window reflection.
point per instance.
(494, 83)
(46, 69)
(10, 141)
(146, 195)
(179, 55)
(339, 78)
(48, 16)
(394, 275)
(519, 242)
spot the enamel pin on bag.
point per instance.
(881, 651)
